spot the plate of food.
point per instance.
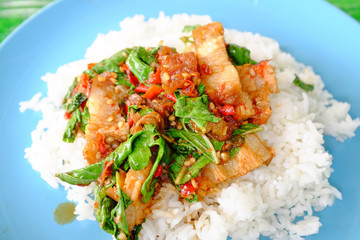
(151, 120)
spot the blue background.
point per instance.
(314, 32)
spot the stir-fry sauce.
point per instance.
(153, 115)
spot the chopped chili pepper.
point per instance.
(90, 65)
(170, 97)
(152, 92)
(187, 189)
(142, 88)
(158, 171)
(189, 90)
(227, 110)
(155, 77)
(67, 115)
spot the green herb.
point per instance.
(70, 131)
(196, 141)
(136, 231)
(85, 115)
(217, 145)
(145, 111)
(190, 28)
(75, 103)
(139, 62)
(239, 55)
(307, 87)
(247, 128)
(234, 151)
(201, 89)
(195, 109)
(119, 211)
(194, 170)
(110, 64)
(194, 199)
(69, 92)
(176, 166)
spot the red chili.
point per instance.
(189, 89)
(107, 171)
(170, 97)
(90, 65)
(227, 110)
(158, 171)
(101, 144)
(67, 115)
(187, 188)
(155, 77)
(141, 88)
(133, 80)
(153, 91)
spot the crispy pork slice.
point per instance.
(258, 82)
(251, 155)
(103, 104)
(218, 74)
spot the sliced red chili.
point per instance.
(142, 88)
(153, 91)
(187, 188)
(107, 171)
(67, 115)
(155, 77)
(227, 110)
(170, 97)
(91, 65)
(158, 171)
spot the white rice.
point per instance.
(268, 201)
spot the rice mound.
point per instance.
(275, 201)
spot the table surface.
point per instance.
(14, 12)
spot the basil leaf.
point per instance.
(103, 211)
(140, 156)
(136, 231)
(70, 131)
(69, 92)
(110, 64)
(176, 166)
(85, 115)
(307, 87)
(217, 145)
(76, 101)
(145, 111)
(234, 151)
(145, 56)
(139, 68)
(201, 89)
(239, 55)
(195, 109)
(190, 28)
(247, 128)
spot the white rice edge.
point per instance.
(275, 201)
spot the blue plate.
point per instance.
(315, 32)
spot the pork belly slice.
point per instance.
(252, 154)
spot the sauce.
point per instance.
(64, 213)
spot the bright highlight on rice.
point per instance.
(276, 198)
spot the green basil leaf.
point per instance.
(85, 115)
(139, 68)
(239, 55)
(298, 82)
(247, 128)
(76, 101)
(234, 151)
(70, 130)
(195, 109)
